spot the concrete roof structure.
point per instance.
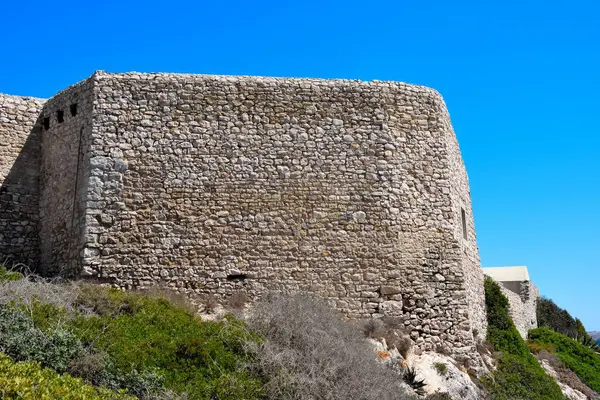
(508, 274)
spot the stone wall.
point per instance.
(19, 173)
(343, 188)
(523, 306)
(63, 178)
(463, 223)
(529, 296)
(352, 190)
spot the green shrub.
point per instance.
(551, 316)
(28, 381)
(108, 301)
(577, 357)
(97, 368)
(536, 348)
(519, 375)
(441, 368)
(144, 335)
(6, 275)
(141, 342)
(565, 375)
(23, 341)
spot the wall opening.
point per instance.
(463, 218)
(236, 277)
(73, 109)
(60, 116)
(47, 123)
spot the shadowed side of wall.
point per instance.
(63, 179)
(20, 151)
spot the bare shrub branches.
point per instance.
(311, 353)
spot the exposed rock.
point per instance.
(568, 391)
(454, 381)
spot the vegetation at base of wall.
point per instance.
(144, 343)
(7, 275)
(518, 376)
(577, 357)
(151, 345)
(310, 352)
(29, 381)
(150, 335)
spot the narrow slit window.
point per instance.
(73, 109)
(60, 116)
(47, 123)
(236, 277)
(463, 217)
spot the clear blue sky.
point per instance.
(521, 80)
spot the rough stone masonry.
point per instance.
(352, 190)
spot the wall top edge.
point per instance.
(508, 274)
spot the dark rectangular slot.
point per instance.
(73, 109)
(236, 277)
(60, 116)
(463, 217)
(47, 123)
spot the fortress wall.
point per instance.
(19, 172)
(466, 238)
(523, 306)
(63, 179)
(221, 184)
(529, 296)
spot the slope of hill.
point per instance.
(67, 338)
(579, 358)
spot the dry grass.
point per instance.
(32, 289)
(373, 328)
(392, 330)
(311, 353)
(238, 301)
(210, 303)
(182, 301)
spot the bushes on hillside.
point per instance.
(23, 341)
(577, 357)
(151, 335)
(28, 381)
(550, 315)
(553, 317)
(151, 345)
(518, 376)
(142, 343)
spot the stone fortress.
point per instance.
(355, 191)
(521, 293)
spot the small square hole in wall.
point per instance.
(463, 218)
(73, 109)
(60, 116)
(47, 123)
